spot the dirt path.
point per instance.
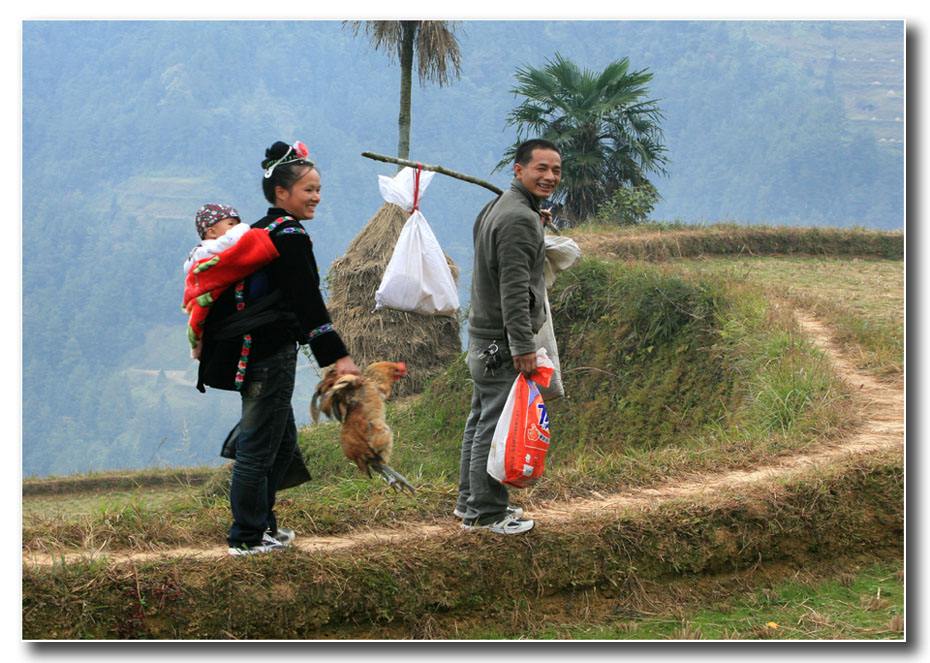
(883, 428)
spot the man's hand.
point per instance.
(345, 366)
(525, 364)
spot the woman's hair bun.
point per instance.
(276, 151)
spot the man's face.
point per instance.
(542, 174)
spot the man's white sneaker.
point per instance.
(506, 525)
(284, 535)
(267, 545)
(514, 511)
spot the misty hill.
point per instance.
(129, 126)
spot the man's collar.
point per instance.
(517, 185)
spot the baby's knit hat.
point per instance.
(213, 213)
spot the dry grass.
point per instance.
(687, 632)
(657, 242)
(896, 624)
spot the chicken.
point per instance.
(358, 402)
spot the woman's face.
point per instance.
(301, 199)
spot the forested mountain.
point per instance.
(128, 127)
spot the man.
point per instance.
(507, 309)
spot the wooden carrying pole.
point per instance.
(445, 171)
(436, 169)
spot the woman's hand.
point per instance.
(345, 366)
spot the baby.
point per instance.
(229, 251)
(214, 222)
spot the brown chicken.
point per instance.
(358, 402)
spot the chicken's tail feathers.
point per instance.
(315, 407)
(320, 403)
(334, 398)
(341, 397)
(394, 479)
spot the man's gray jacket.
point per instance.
(508, 288)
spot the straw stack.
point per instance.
(426, 343)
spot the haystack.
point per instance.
(426, 343)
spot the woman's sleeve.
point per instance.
(296, 274)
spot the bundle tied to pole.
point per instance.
(426, 343)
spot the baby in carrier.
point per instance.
(228, 252)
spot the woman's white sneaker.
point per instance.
(268, 544)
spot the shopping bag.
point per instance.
(521, 438)
(417, 277)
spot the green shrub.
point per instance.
(628, 205)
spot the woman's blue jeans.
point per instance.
(266, 445)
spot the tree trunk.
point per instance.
(406, 77)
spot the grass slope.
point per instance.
(666, 374)
(831, 512)
(673, 368)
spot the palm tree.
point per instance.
(606, 129)
(436, 50)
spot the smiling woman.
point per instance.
(250, 345)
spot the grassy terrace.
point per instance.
(852, 279)
(668, 373)
(459, 585)
(678, 365)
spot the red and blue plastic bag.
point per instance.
(521, 440)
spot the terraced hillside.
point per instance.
(733, 423)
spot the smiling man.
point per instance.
(507, 309)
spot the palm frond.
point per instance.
(385, 36)
(439, 58)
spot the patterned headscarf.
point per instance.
(213, 213)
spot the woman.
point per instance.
(250, 345)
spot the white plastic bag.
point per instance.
(417, 277)
(561, 253)
(545, 338)
(399, 189)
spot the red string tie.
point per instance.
(416, 189)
